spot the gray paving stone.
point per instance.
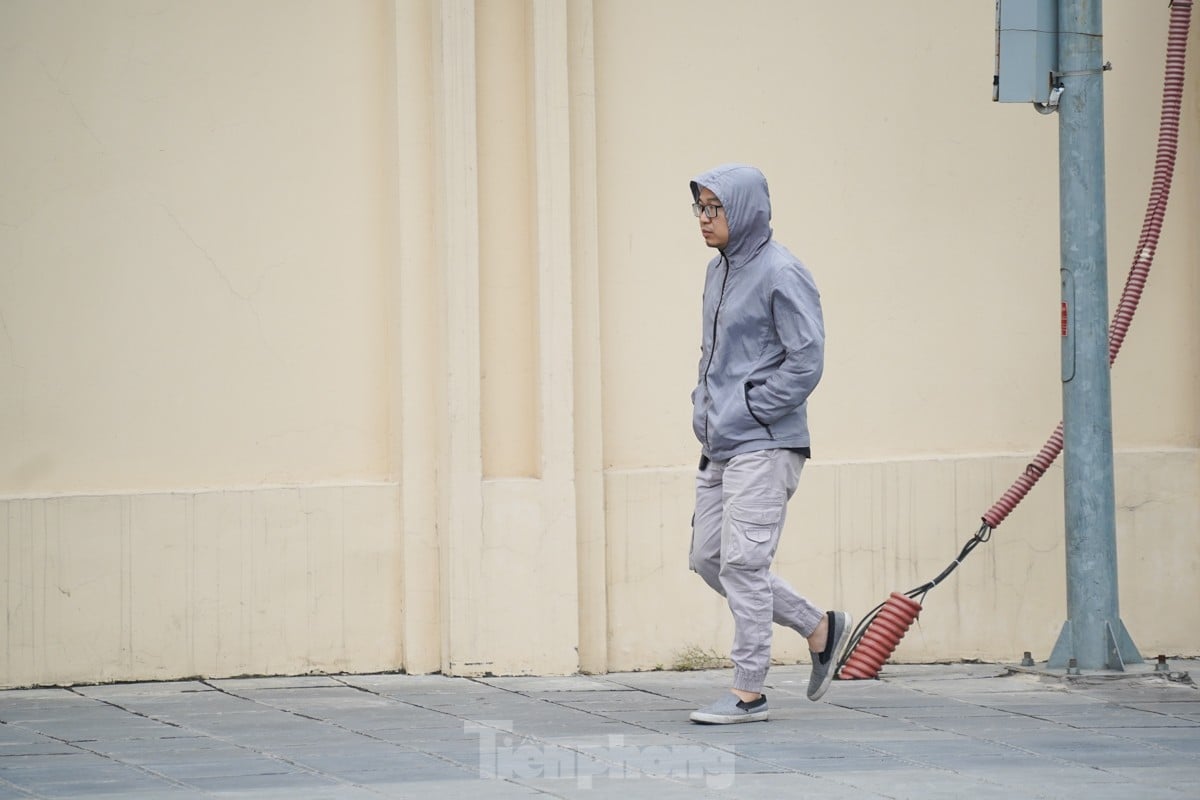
(190, 770)
(281, 784)
(37, 768)
(242, 685)
(35, 747)
(135, 750)
(183, 707)
(12, 697)
(1008, 728)
(908, 781)
(942, 750)
(412, 776)
(864, 728)
(582, 683)
(923, 731)
(334, 695)
(414, 737)
(1185, 777)
(474, 788)
(794, 784)
(116, 790)
(1174, 739)
(180, 762)
(123, 691)
(130, 793)
(630, 789)
(393, 758)
(427, 683)
(594, 727)
(932, 711)
(81, 777)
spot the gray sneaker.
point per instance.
(730, 709)
(824, 664)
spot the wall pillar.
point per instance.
(415, 353)
(592, 541)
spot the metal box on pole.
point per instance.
(1026, 51)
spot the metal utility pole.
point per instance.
(1093, 637)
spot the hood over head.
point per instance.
(742, 190)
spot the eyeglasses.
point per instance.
(709, 211)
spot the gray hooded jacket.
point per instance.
(763, 348)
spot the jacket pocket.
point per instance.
(746, 387)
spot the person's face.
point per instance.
(715, 231)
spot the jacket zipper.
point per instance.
(712, 351)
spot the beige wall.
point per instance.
(359, 336)
(195, 241)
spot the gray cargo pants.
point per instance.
(741, 505)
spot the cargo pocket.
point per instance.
(754, 534)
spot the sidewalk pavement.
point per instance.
(935, 731)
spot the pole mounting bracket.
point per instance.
(1107, 67)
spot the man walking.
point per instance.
(761, 356)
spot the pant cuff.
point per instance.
(808, 624)
(747, 681)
